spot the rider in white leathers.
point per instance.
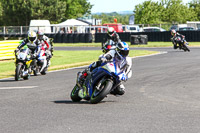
(118, 53)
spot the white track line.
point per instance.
(20, 87)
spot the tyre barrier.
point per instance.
(190, 36)
(7, 49)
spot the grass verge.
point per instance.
(66, 59)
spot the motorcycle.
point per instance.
(100, 82)
(23, 61)
(41, 62)
(182, 43)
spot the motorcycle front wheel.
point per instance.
(74, 94)
(185, 47)
(18, 71)
(102, 91)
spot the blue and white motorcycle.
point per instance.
(101, 81)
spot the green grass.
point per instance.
(150, 44)
(66, 59)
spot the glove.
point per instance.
(16, 50)
(103, 59)
(123, 77)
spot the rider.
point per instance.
(123, 49)
(174, 36)
(111, 35)
(47, 48)
(31, 42)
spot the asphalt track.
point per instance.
(163, 96)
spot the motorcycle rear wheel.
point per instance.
(36, 71)
(99, 94)
(44, 72)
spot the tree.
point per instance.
(195, 6)
(20, 12)
(77, 8)
(166, 11)
(52, 10)
(148, 13)
(176, 12)
(16, 12)
(1, 21)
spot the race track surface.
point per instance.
(163, 96)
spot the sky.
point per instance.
(117, 5)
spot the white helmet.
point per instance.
(32, 36)
(111, 30)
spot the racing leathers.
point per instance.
(175, 41)
(32, 45)
(110, 56)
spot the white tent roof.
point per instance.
(72, 22)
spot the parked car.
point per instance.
(131, 28)
(186, 28)
(153, 29)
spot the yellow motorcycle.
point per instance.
(23, 61)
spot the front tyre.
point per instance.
(102, 91)
(74, 94)
(18, 72)
(186, 48)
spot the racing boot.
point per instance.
(120, 90)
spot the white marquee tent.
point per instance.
(72, 22)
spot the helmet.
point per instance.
(123, 49)
(110, 31)
(31, 36)
(173, 32)
(40, 35)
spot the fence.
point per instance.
(7, 49)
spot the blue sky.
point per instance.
(117, 5)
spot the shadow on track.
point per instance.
(70, 102)
(81, 102)
(8, 80)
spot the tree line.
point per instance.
(20, 12)
(160, 12)
(167, 11)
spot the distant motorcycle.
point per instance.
(100, 82)
(23, 61)
(41, 63)
(182, 43)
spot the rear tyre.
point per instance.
(36, 71)
(44, 72)
(104, 89)
(74, 94)
(18, 72)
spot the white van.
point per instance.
(42, 25)
(131, 28)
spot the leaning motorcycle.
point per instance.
(100, 82)
(23, 61)
(182, 44)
